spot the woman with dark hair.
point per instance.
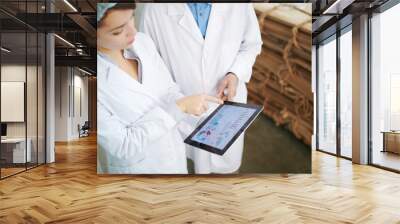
(139, 105)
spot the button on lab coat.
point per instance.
(137, 122)
(231, 44)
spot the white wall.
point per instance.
(69, 82)
(12, 73)
(62, 81)
(80, 83)
(12, 100)
(34, 126)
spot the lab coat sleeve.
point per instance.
(249, 49)
(170, 106)
(186, 121)
(129, 141)
(173, 92)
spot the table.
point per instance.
(391, 141)
(13, 150)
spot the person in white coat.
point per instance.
(208, 48)
(139, 106)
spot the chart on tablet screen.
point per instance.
(223, 126)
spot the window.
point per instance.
(346, 93)
(22, 67)
(327, 96)
(385, 89)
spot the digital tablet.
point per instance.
(223, 126)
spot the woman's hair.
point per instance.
(117, 6)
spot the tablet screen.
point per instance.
(223, 126)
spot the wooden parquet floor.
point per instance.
(70, 191)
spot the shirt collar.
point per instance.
(130, 53)
(193, 3)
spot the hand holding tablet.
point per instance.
(222, 127)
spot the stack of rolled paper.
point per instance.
(281, 79)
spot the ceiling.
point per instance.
(72, 20)
(332, 15)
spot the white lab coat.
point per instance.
(137, 122)
(232, 42)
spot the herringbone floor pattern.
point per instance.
(70, 191)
